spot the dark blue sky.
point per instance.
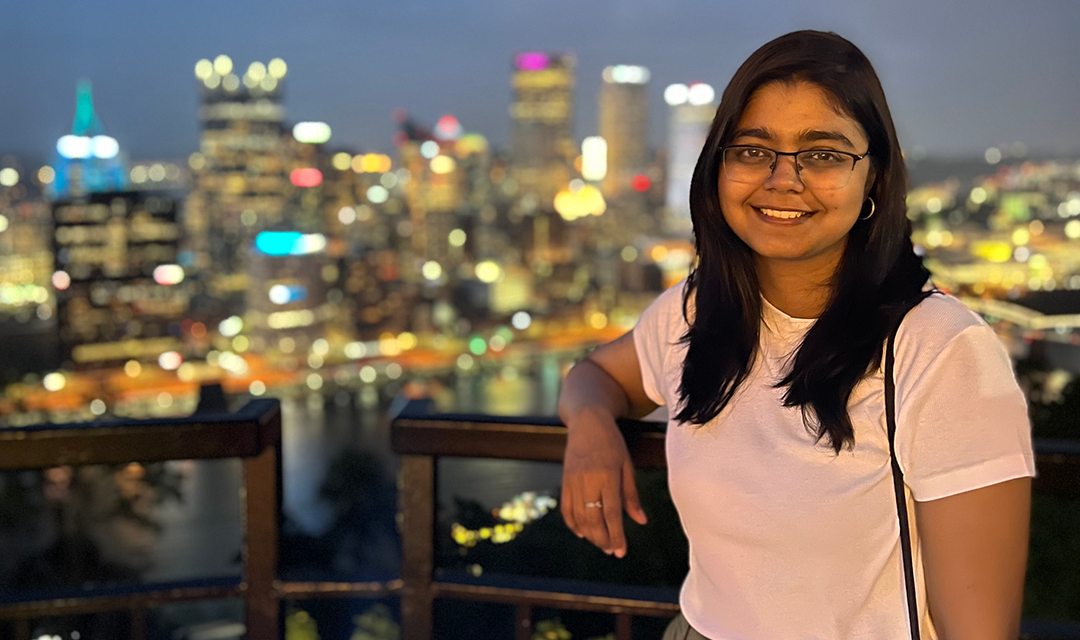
(960, 75)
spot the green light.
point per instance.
(477, 345)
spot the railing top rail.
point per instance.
(416, 430)
(242, 434)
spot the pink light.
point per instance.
(532, 61)
(306, 177)
(640, 182)
(448, 128)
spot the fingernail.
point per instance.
(621, 553)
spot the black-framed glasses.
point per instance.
(817, 168)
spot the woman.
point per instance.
(769, 358)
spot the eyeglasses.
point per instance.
(817, 168)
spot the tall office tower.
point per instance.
(120, 292)
(541, 149)
(623, 103)
(87, 160)
(287, 304)
(27, 304)
(240, 173)
(692, 111)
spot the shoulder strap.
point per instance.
(898, 482)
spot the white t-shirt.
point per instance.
(789, 541)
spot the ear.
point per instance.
(871, 177)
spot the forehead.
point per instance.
(787, 110)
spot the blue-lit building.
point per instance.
(87, 160)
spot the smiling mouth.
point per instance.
(783, 214)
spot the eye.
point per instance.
(823, 158)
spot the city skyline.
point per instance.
(1007, 75)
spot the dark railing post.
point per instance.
(524, 622)
(624, 624)
(417, 496)
(262, 509)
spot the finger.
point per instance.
(566, 506)
(631, 499)
(581, 514)
(613, 518)
(595, 529)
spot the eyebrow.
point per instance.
(808, 135)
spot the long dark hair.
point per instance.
(878, 273)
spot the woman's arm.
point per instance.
(974, 547)
(596, 465)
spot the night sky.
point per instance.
(960, 75)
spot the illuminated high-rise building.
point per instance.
(87, 160)
(120, 292)
(541, 149)
(240, 172)
(622, 124)
(692, 111)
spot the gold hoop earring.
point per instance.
(871, 214)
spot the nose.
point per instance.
(785, 175)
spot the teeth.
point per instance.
(787, 215)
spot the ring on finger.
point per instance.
(596, 504)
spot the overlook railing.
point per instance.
(420, 438)
(253, 434)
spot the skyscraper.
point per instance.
(118, 283)
(623, 125)
(541, 109)
(692, 111)
(87, 160)
(240, 172)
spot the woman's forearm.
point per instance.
(588, 388)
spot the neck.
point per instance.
(799, 288)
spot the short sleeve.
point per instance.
(962, 421)
(653, 341)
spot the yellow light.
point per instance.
(457, 238)
(573, 203)
(597, 320)
(54, 381)
(197, 161)
(257, 71)
(240, 344)
(407, 340)
(488, 272)
(1072, 229)
(370, 163)
(277, 68)
(204, 69)
(385, 163)
(1020, 237)
(978, 195)
(269, 83)
(442, 164)
(659, 253)
(342, 161)
(186, 372)
(213, 82)
(46, 175)
(629, 253)
(358, 163)
(257, 387)
(132, 368)
(223, 65)
(432, 270)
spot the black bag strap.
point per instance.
(898, 480)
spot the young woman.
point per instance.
(769, 357)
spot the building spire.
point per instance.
(86, 122)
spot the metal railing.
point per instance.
(420, 437)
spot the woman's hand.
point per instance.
(597, 471)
